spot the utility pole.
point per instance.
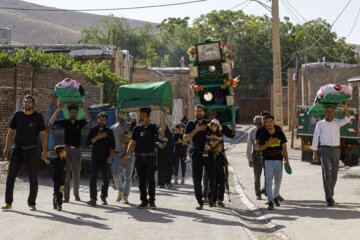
(200, 34)
(293, 115)
(277, 85)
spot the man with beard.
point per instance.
(103, 141)
(144, 142)
(25, 125)
(72, 134)
(165, 159)
(196, 131)
(229, 133)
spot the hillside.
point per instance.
(30, 27)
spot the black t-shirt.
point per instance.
(180, 149)
(72, 132)
(59, 170)
(262, 129)
(145, 137)
(274, 151)
(101, 148)
(199, 139)
(27, 128)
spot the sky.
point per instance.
(308, 9)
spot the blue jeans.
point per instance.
(123, 173)
(273, 170)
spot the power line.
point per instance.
(263, 5)
(354, 24)
(102, 9)
(238, 5)
(296, 11)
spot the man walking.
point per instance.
(122, 172)
(273, 147)
(143, 142)
(26, 126)
(196, 131)
(254, 156)
(72, 134)
(328, 130)
(102, 139)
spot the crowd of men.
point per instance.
(135, 142)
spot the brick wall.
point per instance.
(43, 89)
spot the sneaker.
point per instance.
(329, 203)
(91, 203)
(221, 203)
(276, 201)
(258, 197)
(211, 203)
(206, 200)
(6, 207)
(332, 200)
(32, 207)
(182, 182)
(119, 196)
(200, 207)
(280, 198)
(271, 206)
(59, 208)
(152, 205)
(125, 200)
(77, 198)
(176, 182)
(103, 199)
(169, 186)
(143, 205)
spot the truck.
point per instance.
(349, 134)
(56, 134)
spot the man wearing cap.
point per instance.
(72, 134)
(122, 173)
(144, 142)
(103, 142)
(196, 131)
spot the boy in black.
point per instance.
(221, 163)
(180, 153)
(214, 135)
(273, 148)
(59, 165)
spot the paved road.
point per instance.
(304, 215)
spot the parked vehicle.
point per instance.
(349, 134)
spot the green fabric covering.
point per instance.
(331, 100)
(154, 95)
(70, 95)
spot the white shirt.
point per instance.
(251, 144)
(329, 132)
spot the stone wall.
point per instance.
(43, 89)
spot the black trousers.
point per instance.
(145, 168)
(95, 166)
(180, 160)
(198, 163)
(165, 168)
(220, 182)
(17, 158)
(58, 192)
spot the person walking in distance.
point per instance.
(254, 156)
(180, 153)
(144, 142)
(328, 130)
(72, 134)
(273, 147)
(196, 131)
(103, 142)
(26, 126)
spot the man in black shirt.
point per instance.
(143, 142)
(196, 131)
(72, 134)
(103, 142)
(26, 125)
(273, 148)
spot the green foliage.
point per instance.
(99, 74)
